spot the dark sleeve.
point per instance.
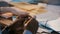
(33, 26)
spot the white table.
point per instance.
(52, 14)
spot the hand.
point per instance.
(7, 15)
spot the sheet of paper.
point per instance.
(54, 24)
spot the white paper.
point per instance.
(54, 24)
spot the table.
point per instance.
(52, 14)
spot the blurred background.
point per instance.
(53, 2)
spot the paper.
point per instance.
(54, 24)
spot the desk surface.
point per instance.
(52, 14)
